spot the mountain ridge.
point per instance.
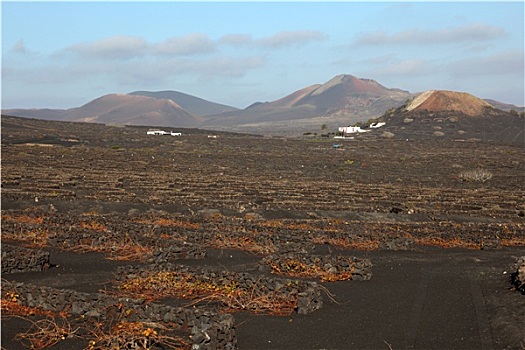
(342, 100)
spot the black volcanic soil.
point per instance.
(442, 244)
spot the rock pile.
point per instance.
(208, 330)
(398, 243)
(19, 259)
(518, 277)
(182, 250)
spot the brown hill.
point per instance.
(133, 110)
(192, 104)
(453, 115)
(441, 100)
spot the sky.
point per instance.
(65, 54)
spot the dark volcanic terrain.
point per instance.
(115, 238)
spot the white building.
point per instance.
(351, 130)
(162, 132)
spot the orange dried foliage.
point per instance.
(245, 243)
(24, 219)
(31, 238)
(123, 250)
(296, 268)
(135, 335)
(513, 242)
(287, 225)
(447, 243)
(94, 226)
(175, 284)
(171, 222)
(47, 332)
(11, 307)
(348, 243)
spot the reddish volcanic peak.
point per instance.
(441, 100)
(290, 100)
(352, 84)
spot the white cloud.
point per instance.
(291, 38)
(190, 44)
(410, 67)
(115, 47)
(466, 33)
(236, 39)
(508, 62)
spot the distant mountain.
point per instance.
(343, 100)
(192, 104)
(453, 115)
(133, 110)
(37, 113)
(504, 106)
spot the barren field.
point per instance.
(112, 238)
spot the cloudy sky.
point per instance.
(64, 54)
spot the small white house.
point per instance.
(377, 125)
(162, 132)
(156, 132)
(352, 129)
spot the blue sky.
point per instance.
(64, 54)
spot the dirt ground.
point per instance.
(441, 221)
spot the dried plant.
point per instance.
(125, 248)
(46, 332)
(299, 268)
(134, 335)
(163, 284)
(478, 175)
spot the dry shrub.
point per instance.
(513, 242)
(478, 175)
(288, 225)
(245, 243)
(94, 226)
(447, 242)
(349, 243)
(298, 268)
(11, 307)
(31, 238)
(163, 284)
(24, 219)
(171, 222)
(124, 249)
(134, 335)
(45, 333)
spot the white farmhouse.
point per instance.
(377, 125)
(162, 132)
(351, 130)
